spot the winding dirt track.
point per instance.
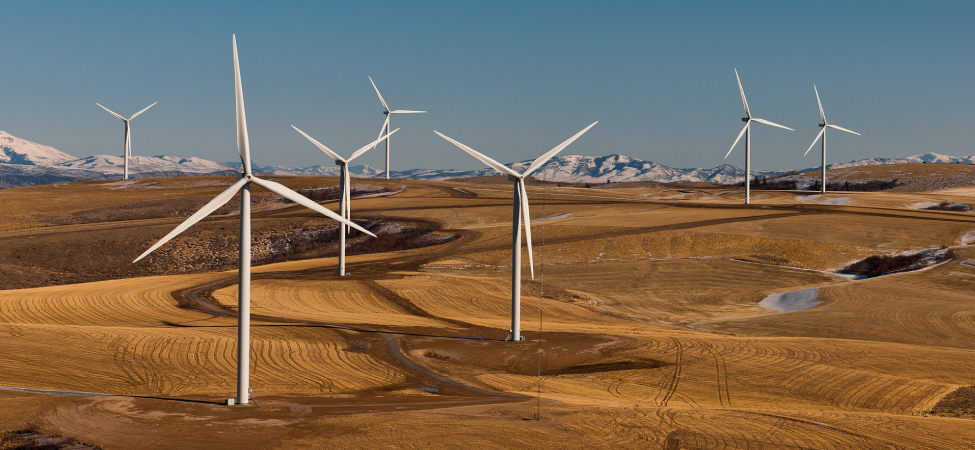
(200, 298)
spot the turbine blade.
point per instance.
(738, 139)
(370, 146)
(843, 129)
(210, 207)
(112, 112)
(406, 111)
(140, 112)
(742, 90)
(325, 149)
(821, 113)
(815, 140)
(243, 144)
(383, 130)
(528, 225)
(348, 196)
(490, 162)
(283, 191)
(380, 95)
(548, 155)
(773, 124)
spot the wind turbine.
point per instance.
(822, 134)
(345, 186)
(520, 207)
(128, 136)
(385, 128)
(243, 185)
(747, 131)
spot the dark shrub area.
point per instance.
(405, 239)
(772, 184)
(857, 186)
(882, 265)
(945, 206)
(332, 193)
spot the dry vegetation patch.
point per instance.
(34, 439)
(959, 403)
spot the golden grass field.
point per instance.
(643, 325)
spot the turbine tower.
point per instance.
(747, 131)
(243, 185)
(345, 186)
(385, 128)
(128, 137)
(822, 134)
(520, 211)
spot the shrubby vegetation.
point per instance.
(764, 183)
(857, 186)
(882, 265)
(945, 206)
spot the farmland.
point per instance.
(643, 321)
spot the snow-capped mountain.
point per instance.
(567, 168)
(24, 163)
(14, 150)
(114, 165)
(930, 158)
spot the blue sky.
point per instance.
(511, 79)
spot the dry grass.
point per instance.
(649, 329)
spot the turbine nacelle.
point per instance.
(388, 113)
(519, 179)
(822, 132)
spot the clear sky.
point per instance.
(511, 79)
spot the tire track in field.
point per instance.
(670, 385)
(721, 372)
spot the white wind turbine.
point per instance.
(243, 185)
(345, 186)
(128, 137)
(385, 128)
(520, 212)
(747, 131)
(822, 134)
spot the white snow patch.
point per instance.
(553, 217)
(792, 301)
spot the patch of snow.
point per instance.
(792, 301)
(553, 217)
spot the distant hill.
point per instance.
(25, 163)
(567, 168)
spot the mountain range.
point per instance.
(26, 163)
